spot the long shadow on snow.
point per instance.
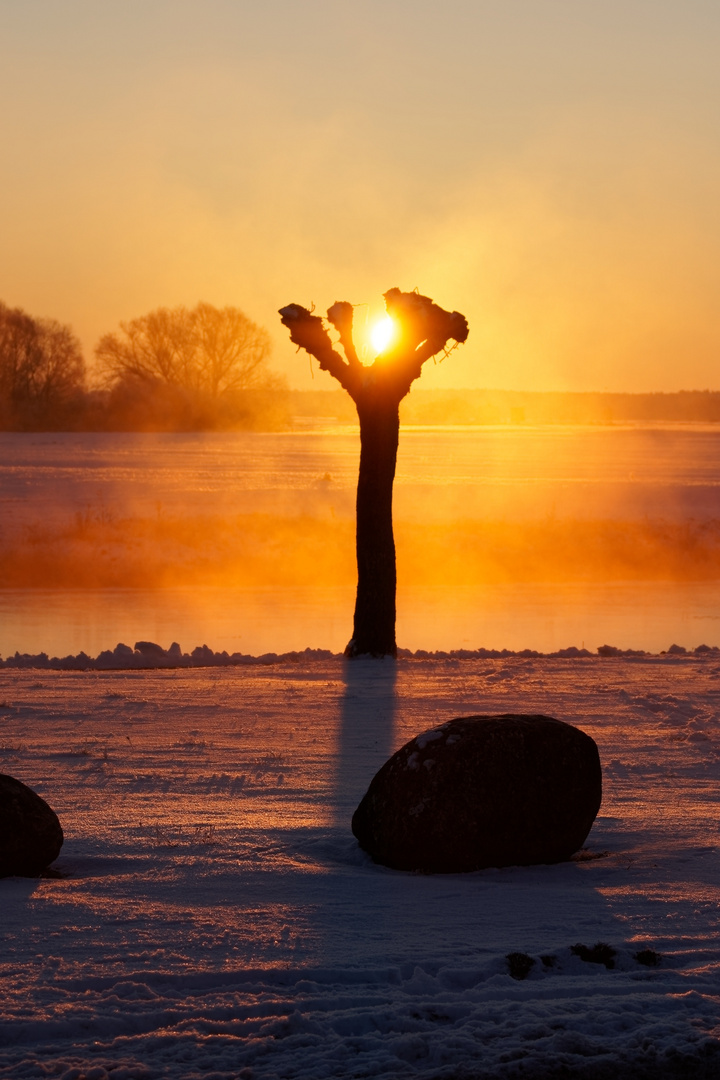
(541, 908)
(367, 731)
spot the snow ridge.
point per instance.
(148, 655)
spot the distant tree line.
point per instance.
(559, 407)
(175, 369)
(206, 368)
(519, 407)
(42, 372)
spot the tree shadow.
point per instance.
(367, 731)
(416, 917)
(17, 891)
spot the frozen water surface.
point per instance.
(507, 475)
(541, 616)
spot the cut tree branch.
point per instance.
(308, 332)
(425, 330)
(341, 317)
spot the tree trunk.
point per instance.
(374, 624)
(422, 330)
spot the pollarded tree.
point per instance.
(421, 330)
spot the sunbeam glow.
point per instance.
(383, 334)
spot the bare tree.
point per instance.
(422, 329)
(198, 369)
(207, 350)
(42, 370)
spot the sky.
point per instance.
(550, 168)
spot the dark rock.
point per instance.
(483, 791)
(150, 649)
(30, 833)
(609, 650)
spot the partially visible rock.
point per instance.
(150, 649)
(30, 833)
(483, 791)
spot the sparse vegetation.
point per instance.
(519, 965)
(184, 836)
(600, 953)
(648, 957)
(586, 855)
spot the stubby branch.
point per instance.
(341, 316)
(309, 333)
(424, 331)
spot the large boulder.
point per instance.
(30, 834)
(483, 791)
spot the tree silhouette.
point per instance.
(189, 368)
(421, 330)
(42, 371)
(204, 349)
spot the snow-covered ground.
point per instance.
(218, 920)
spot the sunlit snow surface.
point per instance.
(219, 921)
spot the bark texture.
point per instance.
(422, 330)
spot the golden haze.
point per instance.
(553, 176)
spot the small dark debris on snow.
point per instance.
(599, 954)
(519, 964)
(648, 957)
(586, 855)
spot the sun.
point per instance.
(382, 334)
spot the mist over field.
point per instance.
(513, 504)
(100, 550)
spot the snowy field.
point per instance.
(513, 473)
(216, 919)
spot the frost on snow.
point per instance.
(216, 917)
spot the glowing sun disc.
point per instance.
(382, 334)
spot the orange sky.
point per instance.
(548, 167)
